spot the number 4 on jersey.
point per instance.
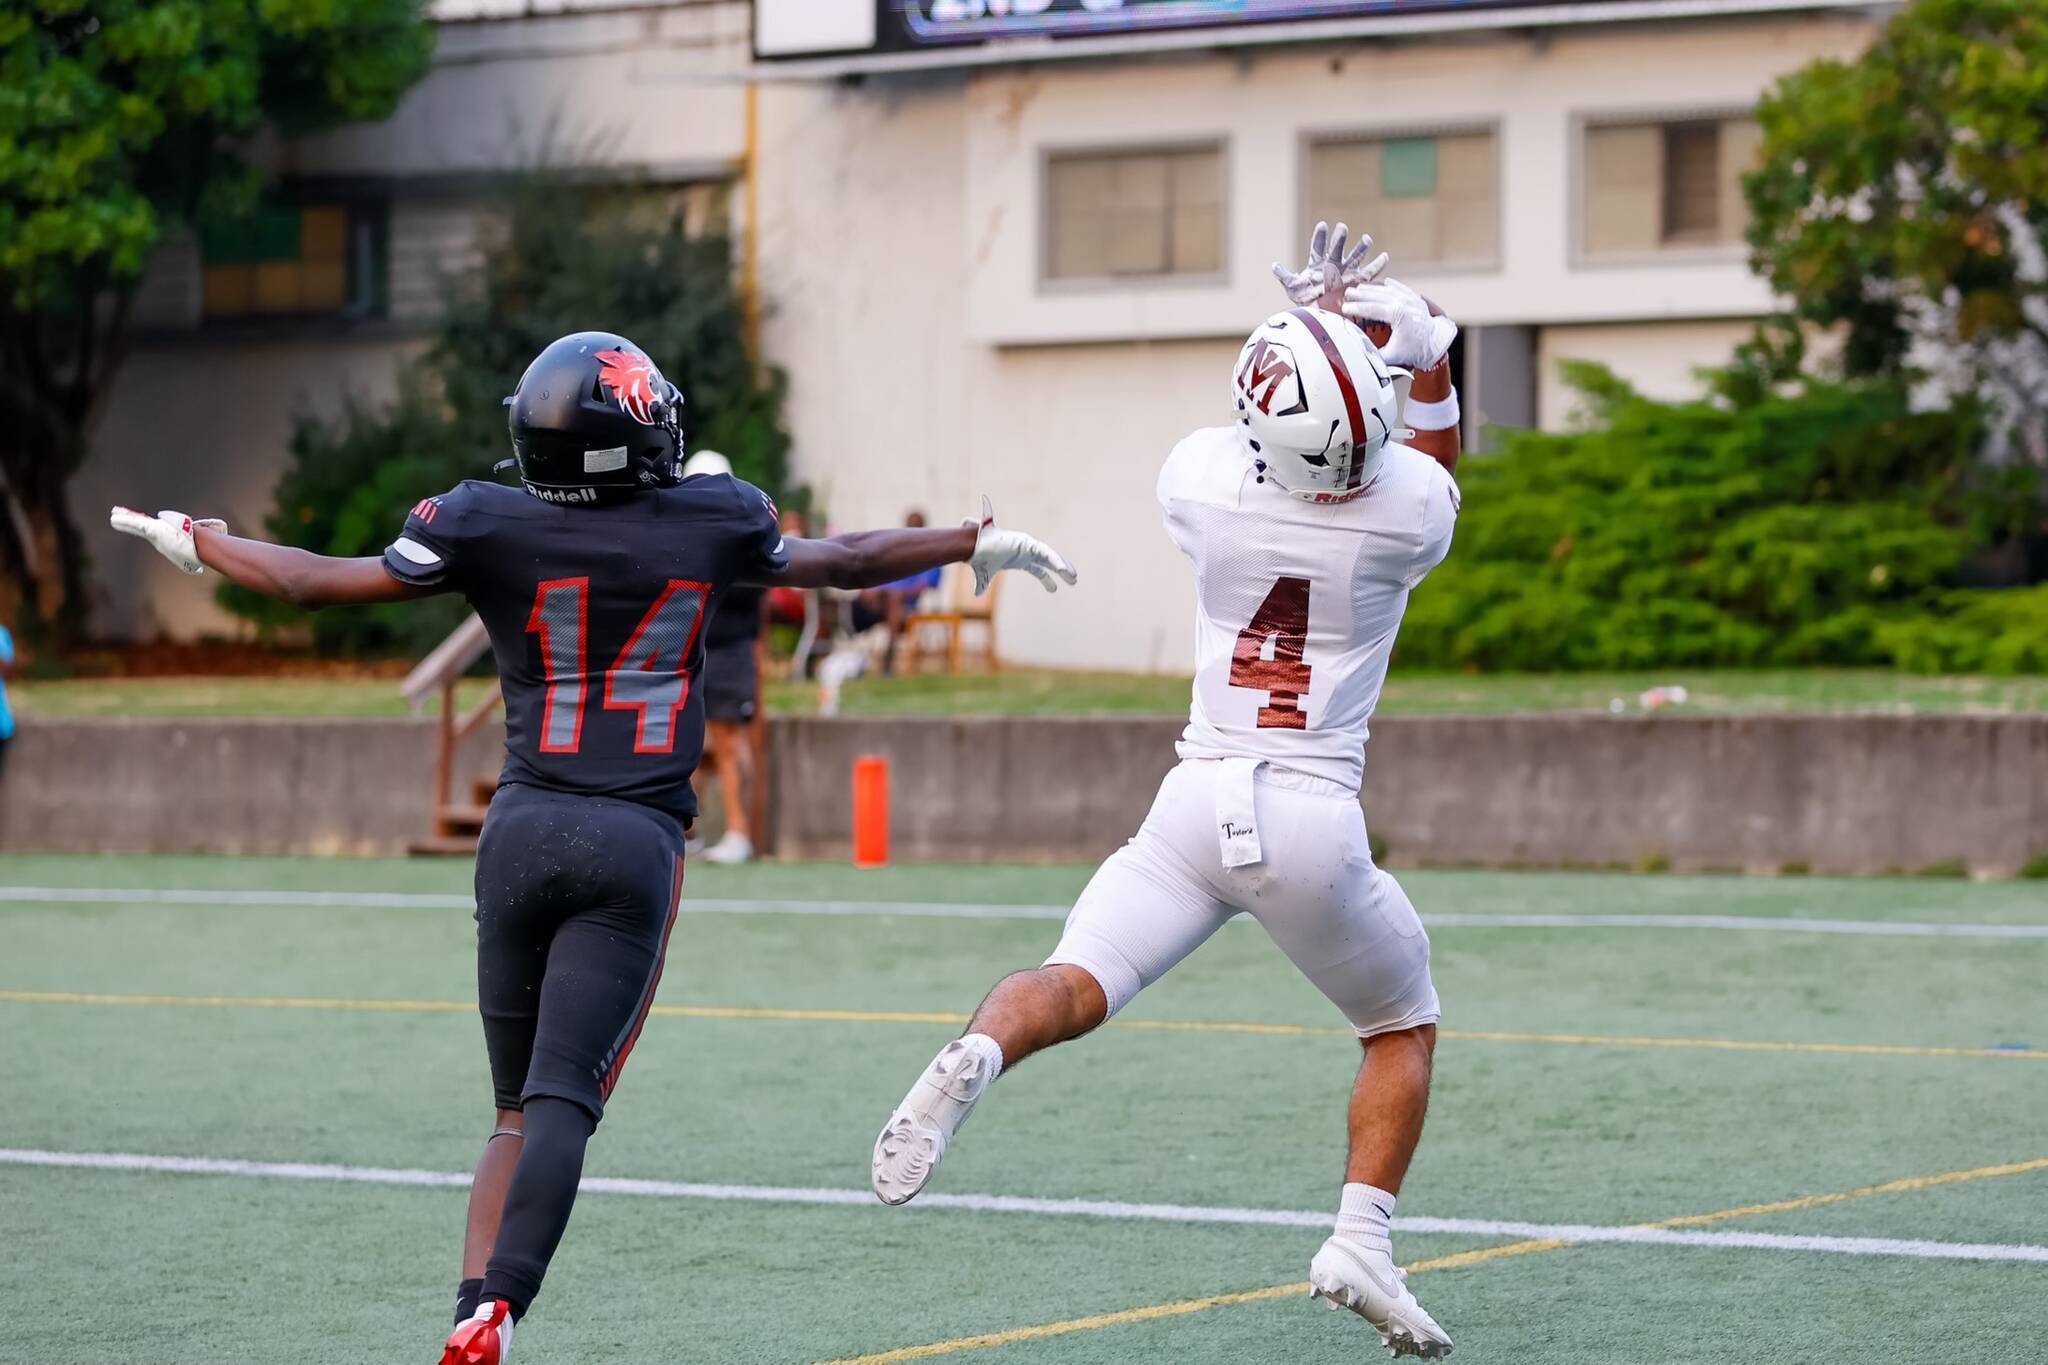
(1283, 619)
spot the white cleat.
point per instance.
(731, 849)
(1347, 1275)
(914, 1139)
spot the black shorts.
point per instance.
(731, 682)
(575, 899)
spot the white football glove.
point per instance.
(169, 533)
(1420, 341)
(1328, 268)
(995, 551)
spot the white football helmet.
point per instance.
(1316, 405)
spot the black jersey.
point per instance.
(596, 614)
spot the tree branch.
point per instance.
(113, 354)
(78, 393)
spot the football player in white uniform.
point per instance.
(1308, 522)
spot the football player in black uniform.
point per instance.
(594, 580)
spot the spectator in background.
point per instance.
(795, 607)
(891, 603)
(6, 716)
(732, 687)
(786, 605)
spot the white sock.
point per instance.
(1364, 1215)
(987, 1050)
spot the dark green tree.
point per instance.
(118, 117)
(1906, 192)
(1767, 524)
(563, 258)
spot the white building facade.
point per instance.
(1023, 266)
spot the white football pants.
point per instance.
(1346, 924)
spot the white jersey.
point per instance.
(1297, 603)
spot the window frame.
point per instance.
(1306, 140)
(1049, 284)
(366, 217)
(1584, 121)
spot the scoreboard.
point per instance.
(924, 22)
(809, 28)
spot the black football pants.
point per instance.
(576, 896)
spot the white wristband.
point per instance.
(1440, 415)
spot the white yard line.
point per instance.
(399, 900)
(1059, 1208)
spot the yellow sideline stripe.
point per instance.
(286, 1002)
(1175, 1309)
(1814, 1201)
(1457, 1260)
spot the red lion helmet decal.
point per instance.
(634, 381)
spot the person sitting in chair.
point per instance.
(892, 603)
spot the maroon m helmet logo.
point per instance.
(1266, 368)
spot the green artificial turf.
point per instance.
(237, 1268)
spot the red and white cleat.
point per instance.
(485, 1339)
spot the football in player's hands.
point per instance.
(1378, 333)
(996, 550)
(1409, 330)
(168, 533)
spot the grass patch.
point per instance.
(1029, 692)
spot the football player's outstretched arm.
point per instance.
(868, 559)
(299, 577)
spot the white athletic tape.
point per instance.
(399, 900)
(1067, 1208)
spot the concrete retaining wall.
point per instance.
(226, 786)
(1860, 794)
(1025, 789)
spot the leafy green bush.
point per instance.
(567, 261)
(1767, 524)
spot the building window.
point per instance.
(1431, 198)
(1134, 214)
(295, 260)
(699, 207)
(1666, 186)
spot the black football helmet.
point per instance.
(593, 420)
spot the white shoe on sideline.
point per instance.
(914, 1139)
(1364, 1279)
(732, 847)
